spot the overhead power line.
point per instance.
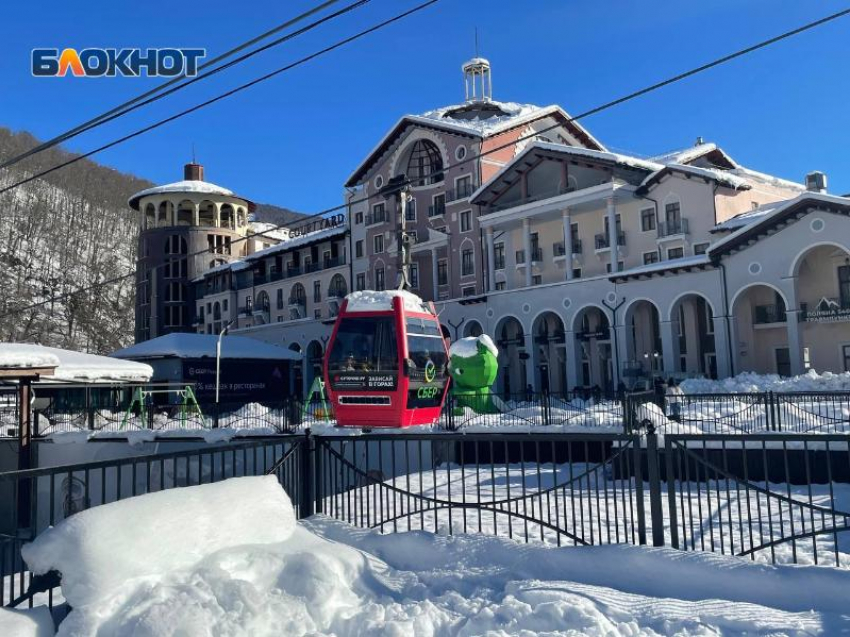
(628, 97)
(140, 100)
(221, 96)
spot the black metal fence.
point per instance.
(572, 411)
(33, 500)
(775, 498)
(747, 413)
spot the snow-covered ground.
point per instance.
(749, 382)
(326, 577)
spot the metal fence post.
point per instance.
(655, 508)
(547, 417)
(639, 498)
(305, 507)
(671, 491)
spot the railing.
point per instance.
(38, 498)
(530, 199)
(461, 192)
(437, 210)
(671, 228)
(766, 314)
(559, 250)
(372, 218)
(246, 310)
(755, 413)
(771, 497)
(603, 241)
(536, 256)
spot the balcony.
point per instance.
(294, 271)
(333, 262)
(464, 191)
(603, 241)
(261, 309)
(246, 310)
(559, 251)
(536, 256)
(540, 196)
(376, 218)
(673, 228)
(767, 314)
(437, 210)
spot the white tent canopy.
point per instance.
(72, 366)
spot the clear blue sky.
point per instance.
(294, 140)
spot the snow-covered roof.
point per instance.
(283, 246)
(692, 153)
(513, 114)
(725, 177)
(180, 345)
(374, 301)
(187, 186)
(801, 201)
(72, 366)
(746, 218)
(269, 231)
(662, 266)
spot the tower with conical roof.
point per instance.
(185, 228)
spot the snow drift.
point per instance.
(751, 382)
(108, 547)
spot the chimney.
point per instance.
(193, 172)
(700, 141)
(816, 182)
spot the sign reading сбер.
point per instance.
(96, 62)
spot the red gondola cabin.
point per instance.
(387, 361)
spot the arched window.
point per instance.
(338, 287)
(298, 295)
(263, 302)
(425, 164)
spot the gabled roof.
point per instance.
(506, 116)
(783, 214)
(710, 151)
(520, 163)
(724, 178)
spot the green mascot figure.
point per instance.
(473, 365)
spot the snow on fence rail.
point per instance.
(775, 498)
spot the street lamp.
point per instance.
(221, 335)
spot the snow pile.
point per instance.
(72, 366)
(34, 622)
(26, 356)
(120, 546)
(330, 578)
(467, 347)
(374, 301)
(513, 114)
(750, 382)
